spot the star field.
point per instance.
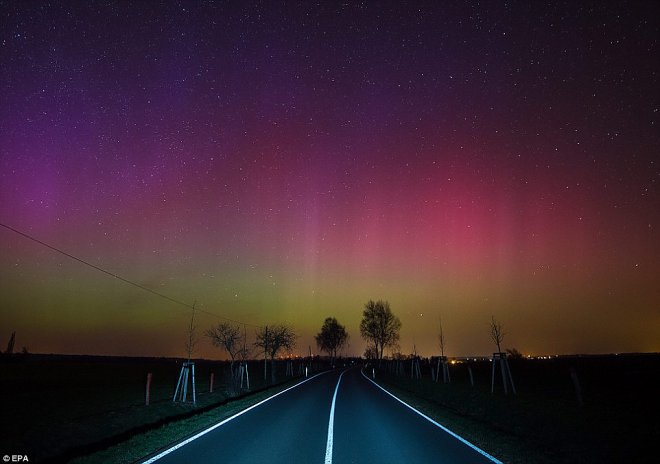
(288, 162)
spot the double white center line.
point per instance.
(328, 447)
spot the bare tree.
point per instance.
(332, 337)
(379, 326)
(263, 341)
(229, 338)
(370, 353)
(245, 351)
(441, 338)
(514, 353)
(192, 340)
(10, 344)
(273, 339)
(496, 333)
(188, 367)
(442, 360)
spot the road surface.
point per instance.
(335, 417)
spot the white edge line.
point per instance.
(458, 437)
(328, 446)
(224, 421)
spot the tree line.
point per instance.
(379, 327)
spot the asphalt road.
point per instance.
(367, 425)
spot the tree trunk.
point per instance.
(265, 366)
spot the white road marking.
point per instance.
(458, 437)
(328, 446)
(213, 427)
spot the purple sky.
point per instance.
(286, 163)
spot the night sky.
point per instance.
(283, 163)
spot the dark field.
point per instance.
(618, 422)
(57, 407)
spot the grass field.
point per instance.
(544, 423)
(55, 408)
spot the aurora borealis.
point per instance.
(286, 162)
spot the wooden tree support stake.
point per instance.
(576, 384)
(415, 371)
(181, 391)
(444, 367)
(243, 374)
(507, 379)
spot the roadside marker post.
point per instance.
(211, 386)
(148, 390)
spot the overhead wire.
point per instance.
(123, 279)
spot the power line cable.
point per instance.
(118, 277)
